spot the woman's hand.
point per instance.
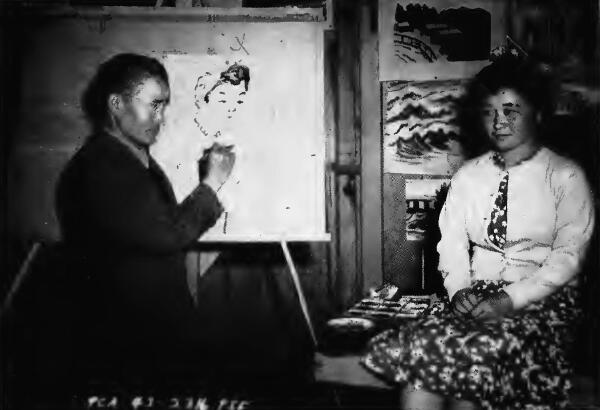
(493, 307)
(464, 301)
(216, 165)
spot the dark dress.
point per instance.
(519, 361)
(125, 238)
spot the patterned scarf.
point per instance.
(496, 229)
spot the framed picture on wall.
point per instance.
(424, 196)
(420, 127)
(437, 39)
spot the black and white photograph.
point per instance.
(299, 204)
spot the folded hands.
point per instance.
(467, 303)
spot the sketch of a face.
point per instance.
(220, 98)
(227, 99)
(234, 75)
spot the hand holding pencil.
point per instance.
(216, 165)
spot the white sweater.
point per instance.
(550, 221)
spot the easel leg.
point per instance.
(19, 279)
(303, 305)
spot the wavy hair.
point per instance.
(532, 80)
(118, 75)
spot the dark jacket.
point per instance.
(125, 237)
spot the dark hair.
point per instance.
(118, 75)
(530, 79)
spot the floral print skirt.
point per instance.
(517, 362)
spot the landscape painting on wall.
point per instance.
(421, 197)
(420, 127)
(444, 35)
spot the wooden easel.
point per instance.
(296, 279)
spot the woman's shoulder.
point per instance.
(100, 158)
(562, 166)
(100, 150)
(473, 167)
(563, 173)
(560, 160)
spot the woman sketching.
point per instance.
(123, 230)
(514, 229)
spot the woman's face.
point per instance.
(142, 112)
(509, 120)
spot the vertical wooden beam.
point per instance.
(343, 79)
(330, 60)
(371, 167)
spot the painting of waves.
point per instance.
(420, 128)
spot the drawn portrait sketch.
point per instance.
(443, 39)
(220, 96)
(420, 130)
(205, 107)
(239, 94)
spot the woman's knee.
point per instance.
(419, 399)
(462, 405)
